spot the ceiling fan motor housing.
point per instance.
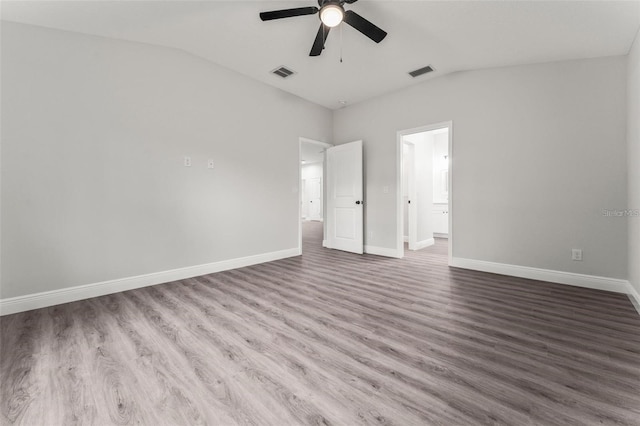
(331, 13)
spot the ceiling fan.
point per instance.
(332, 13)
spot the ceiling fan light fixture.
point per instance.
(331, 14)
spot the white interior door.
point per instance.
(304, 210)
(344, 198)
(412, 198)
(315, 198)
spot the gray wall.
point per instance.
(538, 152)
(94, 132)
(633, 160)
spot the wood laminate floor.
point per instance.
(329, 338)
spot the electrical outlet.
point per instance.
(187, 161)
(576, 254)
(370, 235)
(210, 164)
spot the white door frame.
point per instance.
(399, 173)
(325, 145)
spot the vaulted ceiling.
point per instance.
(448, 35)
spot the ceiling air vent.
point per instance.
(283, 72)
(420, 71)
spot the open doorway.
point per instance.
(312, 185)
(424, 183)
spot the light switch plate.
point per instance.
(576, 254)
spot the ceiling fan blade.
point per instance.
(364, 26)
(288, 13)
(350, 1)
(318, 43)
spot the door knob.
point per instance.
(357, 202)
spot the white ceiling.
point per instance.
(449, 35)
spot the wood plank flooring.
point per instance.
(329, 338)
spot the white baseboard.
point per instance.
(422, 244)
(425, 243)
(66, 295)
(325, 243)
(560, 277)
(383, 251)
(634, 296)
(438, 235)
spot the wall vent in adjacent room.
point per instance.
(420, 71)
(283, 72)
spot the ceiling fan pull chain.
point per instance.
(341, 44)
(325, 33)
